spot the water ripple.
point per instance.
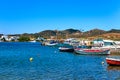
(50, 64)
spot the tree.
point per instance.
(24, 39)
(3, 39)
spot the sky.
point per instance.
(32, 16)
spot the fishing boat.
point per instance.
(113, 61)
(66, 49)
(93, 51)
(51, 43)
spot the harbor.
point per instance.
(96, 44)
(32, 61)
(60, 40)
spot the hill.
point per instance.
(48, 33)
(70, 31)
(94, 32)
(113, 31)
(113, 34)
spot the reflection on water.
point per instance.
(113, 67)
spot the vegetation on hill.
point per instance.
(113, 31)
(70, 31)
(112, 34)
(24, 38)
(94, 32)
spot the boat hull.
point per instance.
(62, 49)
(53, 44)
(112, 61)
(92, 51)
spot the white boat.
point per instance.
(33, 41)
(93, 51)
(51, 44)
(107, 44)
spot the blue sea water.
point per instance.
(50, 64)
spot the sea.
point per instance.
(32, 61)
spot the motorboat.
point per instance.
(93, 51)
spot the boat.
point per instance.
(93, 51)
(33, 41)
(51, 43)
(71, 41)
(105, 44)
(113, 61)
(66, 49)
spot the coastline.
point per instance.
(115, 53)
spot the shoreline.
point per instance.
(115, 53)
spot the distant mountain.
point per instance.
(48, 33)
(113, 31)
(111, 36)
(71, 31)
(94, 32)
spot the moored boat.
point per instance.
(93, 51)
(66, 49)
(51, 44)
(113, 61)
(105, 44)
